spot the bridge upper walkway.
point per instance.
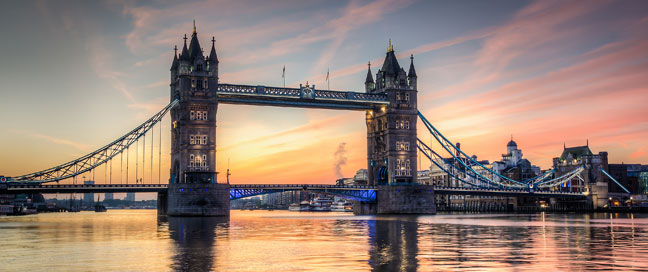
(304, 97)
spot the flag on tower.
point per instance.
(283, 73)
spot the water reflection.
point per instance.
(287, 241)
(393, 244)
(194, 239)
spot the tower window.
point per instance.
(197, 115)
(408, 170)
(402, 146)
(198, 139)
(199, 68)
(398, 167)
(191, 161)
(193, 83)
(406, 124)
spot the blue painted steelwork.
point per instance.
(529, 184)
(559, 180)
(425, 149)
(96, 158)
(615, 181)
(306, 96)
(447, 145)
(360, 193)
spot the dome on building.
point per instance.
(511, 143)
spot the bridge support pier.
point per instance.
(400, 199)
(162, 202)
(198, 199)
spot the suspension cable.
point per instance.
(143, 158)
(160, 155)
(96, 158)
(121, 165)
(152, 143)
(137, 161)
(127, 156)
(434, 133)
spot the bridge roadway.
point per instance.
(245, 190)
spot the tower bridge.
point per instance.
(391, 107)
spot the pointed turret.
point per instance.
(194, 46)
(369, 78)
(185, 53)
(411, 76)
(174, 64)
(390, 66)
(212, 55)
(412, 71)
(369, 81)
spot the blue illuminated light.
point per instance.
(181, 189)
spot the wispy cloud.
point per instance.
(54, 140)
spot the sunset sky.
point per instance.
(75, 75)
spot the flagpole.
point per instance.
(328, 80)
(283, 75)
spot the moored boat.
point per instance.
(321, 204)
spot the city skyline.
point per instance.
(549, 73)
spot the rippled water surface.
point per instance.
(138, 240)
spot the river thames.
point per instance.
(139, 240)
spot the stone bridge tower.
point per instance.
(391, 144)
(193, 188)
(194, 80)
(391, 131)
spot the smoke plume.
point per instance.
(340, 159)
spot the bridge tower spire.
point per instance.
(369, 81)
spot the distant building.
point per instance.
(423, 177)
(593, 181)
(643, 180)
(130, 196)
(453, 173)
(88, 198)
(109, 196)
(345, 181)
(630, 176)
(361, 177)
(514, 166)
